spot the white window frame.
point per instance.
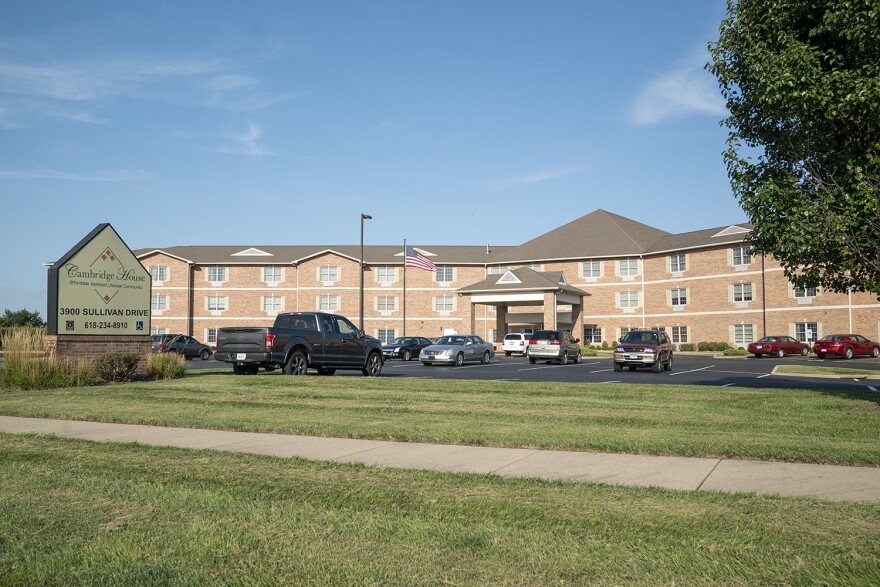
(743, 333)
(676, 300)
(216, 271)
(211, 335)
(679, 334)
(802, 336)
(219, 303)
(270, 273)
(535, 267)
(444, 303)
(386, 274)
(328, 303)
(740, 296)
(273, 304)
(628, 268)
(632, 295)
(159, 273)
(678, 262)
(386, 335)
(444, 271)
(155, 330)
(744, 255)
(594, 271)
(158, 303)
(592, 334)
(386, 303)
(330, 272)
(804, 292)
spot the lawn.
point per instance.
(768, 424)
(82, 513)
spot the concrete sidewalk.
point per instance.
(695, 474)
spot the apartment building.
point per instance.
(599, 275)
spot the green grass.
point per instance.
(810, 370)
(767, 424)
(81, 513)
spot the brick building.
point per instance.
(699, 286)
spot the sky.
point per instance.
(278, 123)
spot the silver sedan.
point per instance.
(455, 349)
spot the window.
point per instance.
(443, 274)
(328, 303)
(498, 270)
(273, 303)
(678, 296)
(217, 303)
(385, 336)
(806, 332)
(624, 330)
(272, 274)
(679, 334)
(386, 303)
(535, 267)
(211, 336)
(592, 334)
(677, 262)
(386, 274)
(591, 269)
(158, 303)
(328, 273)
(804, 292)
(158, 331)
(443, 304)
(629, 299)
(628, 267)
(742, 292)
(741, 255)
(216, 274)
(743, 333)
(159, 273)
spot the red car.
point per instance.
(779, 346)
(846, 345)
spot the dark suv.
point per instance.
(184, 345)
(554, 345)
(644, 348)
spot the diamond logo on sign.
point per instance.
(108, 261)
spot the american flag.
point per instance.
(416, 259)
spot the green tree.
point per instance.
(21, 318)
(802, 84)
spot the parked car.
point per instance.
(181, 344)
(455, 349)
(644, 348)
(515, 342)
(846, 346)
(405, 347)
(554, 345)
(779, 346)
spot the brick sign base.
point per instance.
(91, 348)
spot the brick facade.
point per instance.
(91, 348)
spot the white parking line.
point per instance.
(763, 376)
(600, 371)
(691, 371)
(728, 385)
(872, 388)
(613, 381)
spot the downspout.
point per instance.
(191, 301)
(644, 301)
(849, 297)
(763, 295)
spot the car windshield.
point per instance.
(455, 340)
(832, 339)
(768, 339)
(641, 337)
(546, 335)
(400, 341)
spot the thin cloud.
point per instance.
(118, 175)
(535, 178)
(679, 92)
(248, 142)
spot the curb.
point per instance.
(868, 376)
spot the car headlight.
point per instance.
(445, 353)
(618, 349)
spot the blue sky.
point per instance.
(455, 122)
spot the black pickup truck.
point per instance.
(297, 341)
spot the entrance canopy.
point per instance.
(527, 287)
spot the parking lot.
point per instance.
(687, 370)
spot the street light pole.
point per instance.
(361, 313)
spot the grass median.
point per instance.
(768, 424)
(82, 513)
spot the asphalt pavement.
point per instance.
(827, 482)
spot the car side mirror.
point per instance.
(577, 340)
(361, 333)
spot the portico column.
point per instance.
(577, 318)
(500, 322)
(550, 310)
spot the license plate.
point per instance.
(823, 351)
(633, 357)
(759, 346)
(240, 356)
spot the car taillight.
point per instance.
(533, 341)
(270, 340)
(161, 346)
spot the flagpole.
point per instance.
(404, 287)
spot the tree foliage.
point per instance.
(802, 84)
(21, 318)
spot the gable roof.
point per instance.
(525, 279)
(598, 234)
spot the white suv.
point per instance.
(515, 342)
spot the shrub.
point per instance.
(732, 352)
(165, 366)
(704, 347)
(27, 367)
(604, 345)
(589, 352)
(686, 347)
(116, 366)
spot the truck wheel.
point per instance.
(668, 365)
(373, 366)
(658, 364)
(618, 367)
(296, 364)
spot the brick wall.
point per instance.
(91, 348)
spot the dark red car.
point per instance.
(779, 346)
(846, 345)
